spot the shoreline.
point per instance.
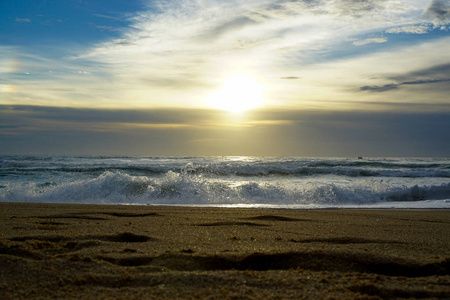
(376, 206)
(102, 251)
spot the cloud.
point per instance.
(107, 28)
(229, 26)
(125, 116)
(290, 77)
(438, 11)
(425, 81)
(23, 20)
(288, 132)
(374, 40)
(357, 8)
(435, 74)
(411, 29)
(207, 41)
(441, 71)
(106, 17)
(383, 88)
(177, 53)
(340, 8)
(393, 86)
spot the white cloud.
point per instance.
(196, 45)
(412, 29)
(204, 41)
(23, 20)
(177, 52)
(335, 84)
(373, 40)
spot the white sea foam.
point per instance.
(235, 181)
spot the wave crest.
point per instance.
(183, 188)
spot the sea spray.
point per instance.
(232, 181)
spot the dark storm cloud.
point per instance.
(382, 88)
(9, 126)
(369, 133)
(425, 81)
(435, 74)
(64, 114)
(439, 71)
(389, 87)
(285, 132)
(438, 11)
(58, 130)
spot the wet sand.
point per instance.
(96, 251)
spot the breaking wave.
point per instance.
(185, 188)
(217, 167)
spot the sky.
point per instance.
(214, 77)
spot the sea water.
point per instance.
(260, 182)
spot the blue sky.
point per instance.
(32, 23)
(237, 71)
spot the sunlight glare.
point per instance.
(238, 94)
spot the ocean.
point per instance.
(257, 182)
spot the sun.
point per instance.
(237, 95)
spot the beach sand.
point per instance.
(121, 252)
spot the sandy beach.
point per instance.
(104, 251)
